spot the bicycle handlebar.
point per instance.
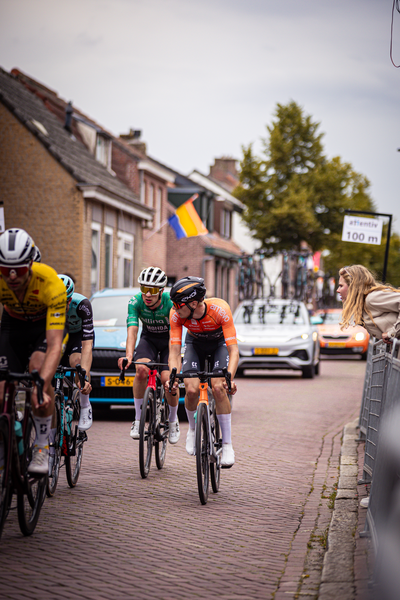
(78, 370)
(149, 365)
(202, 375)
(6, 375)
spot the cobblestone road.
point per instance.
(116, 536)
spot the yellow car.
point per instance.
(333, 340)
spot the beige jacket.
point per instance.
(384, 306)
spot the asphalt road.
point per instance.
(263, 536)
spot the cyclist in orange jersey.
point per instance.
(210, 332)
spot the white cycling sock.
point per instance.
(190, 416)
(173, 413)
(52, 437)
(225, 424)
(138, 408)
(84, 400)
(43, 427)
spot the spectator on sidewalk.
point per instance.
(366, 302)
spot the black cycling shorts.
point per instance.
(150, 346)
(196, 352)
(18, 340)
(74, 345)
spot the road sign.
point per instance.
(362, 230)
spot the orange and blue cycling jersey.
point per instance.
(45, 298)
(216, 322)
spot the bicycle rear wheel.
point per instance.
(4, 471)
(160, 447)
(146, 432)
(52, 479)
(29, 503)
(202, 452)
(75, 439)
(215, 467)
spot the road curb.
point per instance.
(338, 568)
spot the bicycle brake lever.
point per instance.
(39, 382)
(122, 374)
(172, 380)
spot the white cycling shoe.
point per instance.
(174, 432)
(135, 430)
(228, 456)
(191, 442)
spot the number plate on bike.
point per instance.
(264, 351)
(116, 382)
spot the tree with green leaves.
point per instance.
(293, 194)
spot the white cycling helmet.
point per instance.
(17, 248)
(153, 276)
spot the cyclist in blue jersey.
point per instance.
(152, 307)
(80, 345)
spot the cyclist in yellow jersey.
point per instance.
(32, 330)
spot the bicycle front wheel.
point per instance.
(4, 471)
(52, 479)
(215, 467)
(202, 452)
(29, 503)
(160, 447)
(75, 439)
(146, 432)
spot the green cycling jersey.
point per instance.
(154, 321)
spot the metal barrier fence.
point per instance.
(380, 427)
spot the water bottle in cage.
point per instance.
(20, 398)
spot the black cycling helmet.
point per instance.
(187, 289)
(153, 277)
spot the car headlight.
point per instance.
(315, 336)
(304, 336)
(360, 336)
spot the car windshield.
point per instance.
(270, 314)
(331, 317)
(110, 311)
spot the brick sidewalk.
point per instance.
(116, 536)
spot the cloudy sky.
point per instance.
(202, 78)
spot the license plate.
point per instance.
(263, 351)
(116, 382)
(336, 345)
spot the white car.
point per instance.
(276, 334)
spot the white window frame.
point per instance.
(123, 255)
(151, 195)
(108, 231)
(95, 285)
(157, 217)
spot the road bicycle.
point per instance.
(69, 440)
(154, 423)
(207, 438)
(17, 439)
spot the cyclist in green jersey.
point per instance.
(152, 307)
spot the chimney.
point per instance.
(68, 117)
(224, 171)
(133, 139)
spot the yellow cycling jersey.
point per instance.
(45, 298)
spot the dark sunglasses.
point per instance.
(17, 271)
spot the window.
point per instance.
(225, 228)
(157, 221)
(125, 259)
(103, 147)
(151, 195)
(108, 256)
(95, 270)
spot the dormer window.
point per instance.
(103, 150)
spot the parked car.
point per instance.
(110, 309)
(276, 334)
(334, 340)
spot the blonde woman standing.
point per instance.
(369, 303)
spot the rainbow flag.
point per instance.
(186, 222)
